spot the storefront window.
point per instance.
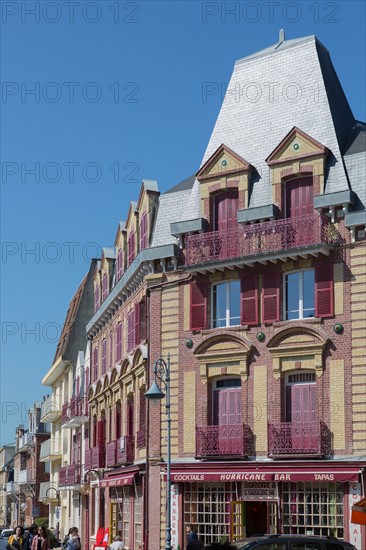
(313, 509)
(138, 516)
(126, 516)
(207, 505)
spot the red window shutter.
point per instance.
(95, 364)
(143, 320)
(137, 323)
(271, 297)
(101, 433)
(198, 305)
(324, 301)
(111, 350)
(249, 300)
(142, 419)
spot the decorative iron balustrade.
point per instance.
(50, 410)
(222, 441)
(260, 238)
(299, 438)
(70, 475)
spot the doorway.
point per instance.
(256, 518)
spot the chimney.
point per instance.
(282, 35)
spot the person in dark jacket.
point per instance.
(28, 537)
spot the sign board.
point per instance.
(260, 491)
(35, 512)
(58, 512)
(122, 444)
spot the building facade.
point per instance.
(66, 409)
(6, 476)
(250, 275)
(266, 327)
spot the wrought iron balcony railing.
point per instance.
(224, 441)
(70, 475)
(245, 241)
(299, 439)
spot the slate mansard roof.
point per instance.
(291, 83)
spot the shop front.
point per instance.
(124, 505)
(229, 501)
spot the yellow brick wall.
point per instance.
(338, 418)
(189, 405)
(358, 326)
(260, 404)
(169, 343)
(338, 288)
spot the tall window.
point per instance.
(226, 304)
(95, 364)
(225, 210)
(119, 342)
(299, 295)
(131, 330)
(104, 356)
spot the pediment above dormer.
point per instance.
(224, 162)
(296, 145)
(121, 229)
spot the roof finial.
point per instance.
(282, 35)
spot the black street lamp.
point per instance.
(58, 512)
(162, 373)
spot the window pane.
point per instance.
(309, 285)
(219, 305)
(292, 296)
(234, 303)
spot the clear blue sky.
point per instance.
(117, 98)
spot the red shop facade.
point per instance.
(237, 501)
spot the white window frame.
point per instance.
(227, 299)
(301, 294)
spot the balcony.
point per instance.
(224, 441)
(275, 239)
(75, 413)
(27, 476)
(43, 491)
(94, 458)
(69, 476)
(12, 487)
(120, 451)
(295, 439)
(50, 410)
(25, 441)
(51, 449)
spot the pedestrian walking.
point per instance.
(15, 541)
(41, 540)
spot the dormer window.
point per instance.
(225, 209)
(299, 197)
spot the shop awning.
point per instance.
(359, 512)
(264, 474)
(118, 481)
